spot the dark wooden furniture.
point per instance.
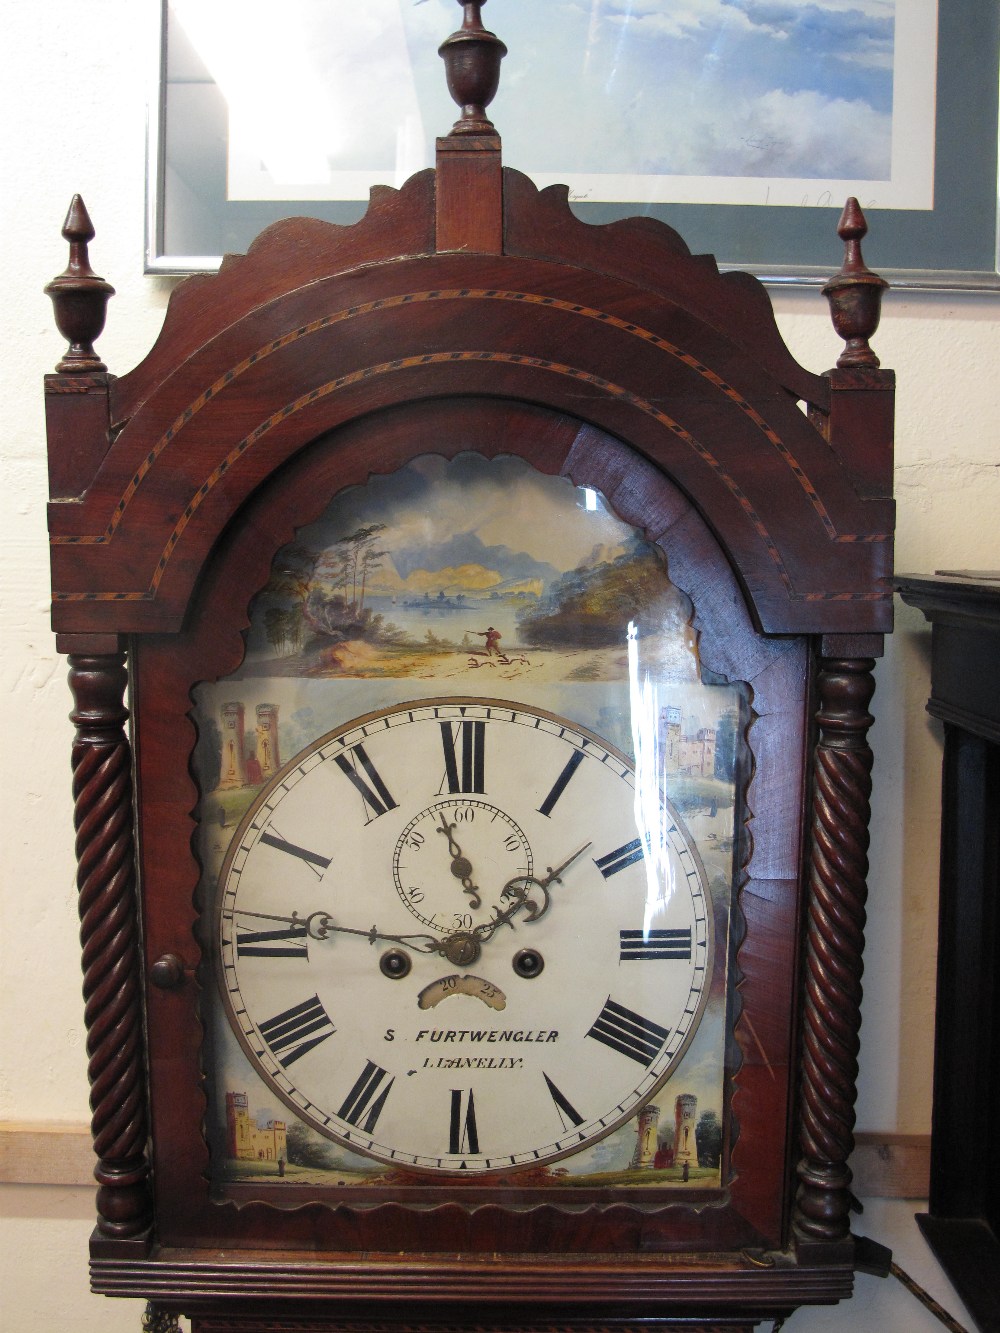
(962, 1223)
(470, 311)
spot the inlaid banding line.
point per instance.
(491, 294)
(387, 367)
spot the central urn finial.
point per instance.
(472, 58)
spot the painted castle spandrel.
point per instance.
(248, 759)
(249, 1139)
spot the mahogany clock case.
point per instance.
(469, 313)
(751, 1210)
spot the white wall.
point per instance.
(72, 102)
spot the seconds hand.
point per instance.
(318, 925)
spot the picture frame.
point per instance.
(210, 188)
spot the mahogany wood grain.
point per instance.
(469, 196)
(532, 1288)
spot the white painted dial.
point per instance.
(443, 1033)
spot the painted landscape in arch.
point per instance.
(446, 569)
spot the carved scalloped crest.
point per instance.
(283, 257)
(652, 254)
(399, 224)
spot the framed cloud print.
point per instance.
(472, 885)
(777, 114)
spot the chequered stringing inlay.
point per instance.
(386, 367)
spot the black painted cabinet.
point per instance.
(962, 1223)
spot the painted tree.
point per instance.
(293, 573)
(358, 559)
(708, 1137)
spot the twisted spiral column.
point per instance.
(838, 870)
(102, 816)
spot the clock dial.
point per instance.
(460, 935)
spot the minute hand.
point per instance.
(520, 890)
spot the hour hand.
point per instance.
(319, 925)
(461, 866)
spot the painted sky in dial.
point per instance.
(474, 526)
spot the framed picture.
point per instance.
(743, 127)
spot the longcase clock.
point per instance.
(473, 909)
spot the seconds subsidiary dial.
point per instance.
(460, 935)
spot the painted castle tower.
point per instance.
(685, 1146)
(248, 761)
(234, 769)
(267, 740)
(692, 752)
(647, 1124)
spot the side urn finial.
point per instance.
(855, 294)
(79, 296)
(472, 58)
